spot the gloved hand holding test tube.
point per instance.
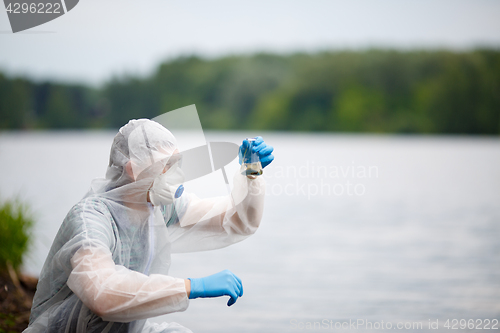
(254, 155)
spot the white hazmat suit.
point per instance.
(107, 270)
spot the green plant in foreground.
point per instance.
(15, 232)
(7, 320)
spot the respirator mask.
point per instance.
(167, 186)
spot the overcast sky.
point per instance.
(101, 38)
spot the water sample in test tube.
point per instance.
(251, 165)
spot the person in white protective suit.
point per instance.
(107, 270)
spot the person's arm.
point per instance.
(187, 284)
(213, 223)
(116, 293)
(239, 213)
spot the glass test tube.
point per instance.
(251, 165)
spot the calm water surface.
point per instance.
(376, 228)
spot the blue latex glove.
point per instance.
(261, 148)
(224, 283)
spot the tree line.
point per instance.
(382, 91)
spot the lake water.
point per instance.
(378, 229)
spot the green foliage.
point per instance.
(7, 321)
(15, 232)
(369, 91)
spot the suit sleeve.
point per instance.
(206, 224)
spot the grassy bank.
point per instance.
(16, 290)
